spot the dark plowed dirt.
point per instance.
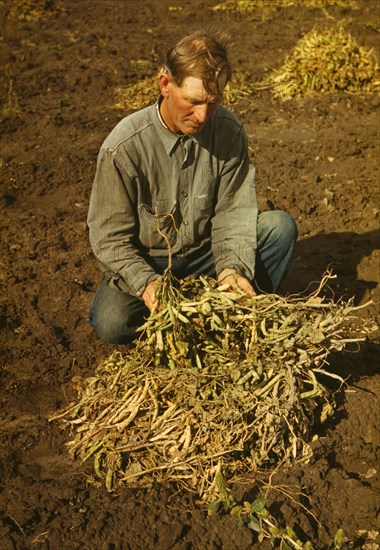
(317, 159)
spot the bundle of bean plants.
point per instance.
(217, 383)
(326, 60)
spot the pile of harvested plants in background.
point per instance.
(138, 95)
(326, 61)
(32, 10)
(249, 6)
(218, 385)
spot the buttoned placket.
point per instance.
(184, 188)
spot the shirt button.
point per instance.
(184, 194)
(186, 222)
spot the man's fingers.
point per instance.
(243, 284)
(238, 281)
(149, 296)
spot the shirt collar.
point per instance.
(169, 139)
(157, 105)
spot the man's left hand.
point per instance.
(238, 281)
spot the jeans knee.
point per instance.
(108, 328)
(108, 334)
(288, 227)
(114, 315)
(278, 227)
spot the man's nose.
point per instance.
(202, 113)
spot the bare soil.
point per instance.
(318, 159)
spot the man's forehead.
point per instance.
(194, 87)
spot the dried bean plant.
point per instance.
(32, 10)
(217, 382)
(326, 60)
(249, 6)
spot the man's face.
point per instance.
(188, 107)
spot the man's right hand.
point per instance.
(149, 295)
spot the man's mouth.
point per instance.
(194, 124)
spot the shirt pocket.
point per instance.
(203, 212)
(158, 226)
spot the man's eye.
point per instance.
(195, 102)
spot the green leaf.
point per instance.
(258, 505)
(340, 539)
(289, 531)
(264, 513)
(276, 533)
(254, 524)
(229, 503)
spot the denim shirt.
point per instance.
(156, 192)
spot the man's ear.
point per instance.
(165, 83)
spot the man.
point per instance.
(174, 183)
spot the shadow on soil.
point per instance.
(342, 253)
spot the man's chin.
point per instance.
(192, 129)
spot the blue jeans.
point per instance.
(116, 315)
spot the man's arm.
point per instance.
(113, 224)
